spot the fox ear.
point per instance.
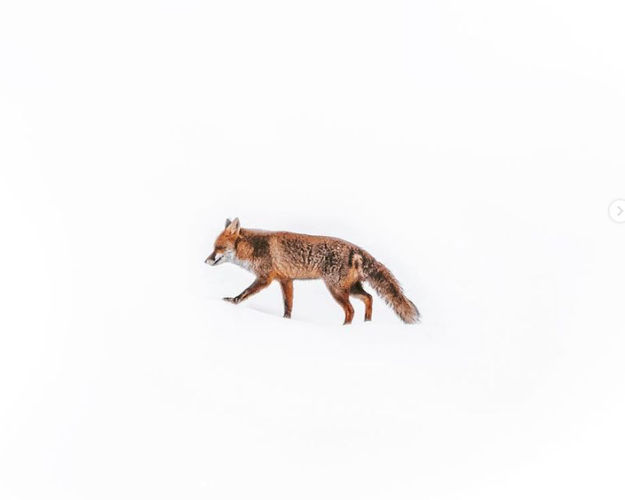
(234, 226)
(228, 222)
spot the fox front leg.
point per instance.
(287, 295)
(255, 287)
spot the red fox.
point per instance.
(286, 257)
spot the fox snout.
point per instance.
(213, 259)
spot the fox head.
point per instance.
(224, 244)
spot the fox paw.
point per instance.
(232, 300)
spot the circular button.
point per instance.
(617, 211)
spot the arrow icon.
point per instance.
(617, 212)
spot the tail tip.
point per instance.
(413, 316)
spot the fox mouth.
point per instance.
(216, 261)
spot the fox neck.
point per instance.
(240, 257)
(244, 263)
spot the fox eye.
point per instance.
(220, 248)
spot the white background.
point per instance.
(473, 147)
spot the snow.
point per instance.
(473, 149)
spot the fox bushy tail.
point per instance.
(387, 287)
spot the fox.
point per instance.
(285, 257)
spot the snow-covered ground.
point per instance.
(474, 149)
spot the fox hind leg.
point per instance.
(341, 295)
(359, 292)
(287, 294)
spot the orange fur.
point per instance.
(285, 257)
